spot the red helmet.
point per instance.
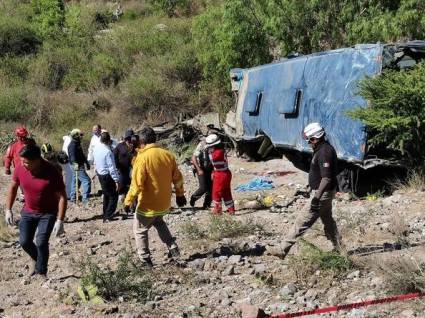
(21, 131)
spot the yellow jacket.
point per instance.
(154, 170)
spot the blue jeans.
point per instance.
(43, 224)
(85, 184)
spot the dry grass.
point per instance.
(6, 234)
(403, 274)
(414, 182)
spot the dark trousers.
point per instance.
(205, 187)
(28, 225)
(110, 195)
(125, 181)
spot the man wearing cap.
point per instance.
(78, 162)
(123, 154)
(322, 181)
(12, 152)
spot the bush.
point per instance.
(15, 68)
(396, 117)
(61, 67)
(13, 103)
(222, 226)
(311, 258)
(17, 37)
(49, 17)
(129, 280)
(403, 274)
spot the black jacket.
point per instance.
(76, 154)
(123, 157)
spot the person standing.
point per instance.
(44, 209)
(322, 182)
(221, 176)
(66, 167)
(78, 162)
(154, 171)
(123, 154)
(107, 173)
(203, 169)
(95, 140)
(12, 153)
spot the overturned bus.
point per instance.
(276, 101)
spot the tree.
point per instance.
(229, 36)
(396, 117)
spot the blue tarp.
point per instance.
(256, 184)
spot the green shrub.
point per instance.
(61, 67)
(128, 280)
(17, 37)
(13, 103)
(311, 258)
(221, 226)
(49, 17)
(396, 116)
(15, 68)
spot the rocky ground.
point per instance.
(217, 275)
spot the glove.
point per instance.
(58, 228)
(8, 217)
(315, 205)
(7, 171)
(181, 201)
(127, 209)
(75, 166)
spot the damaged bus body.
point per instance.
(276, 101)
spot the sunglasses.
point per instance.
(310, 140)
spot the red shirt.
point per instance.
(39, 191)
(12, 154)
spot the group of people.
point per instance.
(143, 174)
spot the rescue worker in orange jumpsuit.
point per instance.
(221, 176)
(12, 153)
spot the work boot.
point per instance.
(174, 252)
(231, 211)
(192, 202)
(146, 261)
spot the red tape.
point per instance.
(350, 306)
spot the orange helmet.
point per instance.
(21, 131)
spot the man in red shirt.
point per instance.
(44, 209)
(12, 152)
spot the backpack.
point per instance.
(62, 157)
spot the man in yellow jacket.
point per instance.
(154, 171)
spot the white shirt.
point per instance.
(104, 161)
(95, 140)
(66, 141)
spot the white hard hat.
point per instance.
(212, 140)
(313, 130)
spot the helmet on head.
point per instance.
(313, 130)
(46, 148)
(212, 140)
(21, 131)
